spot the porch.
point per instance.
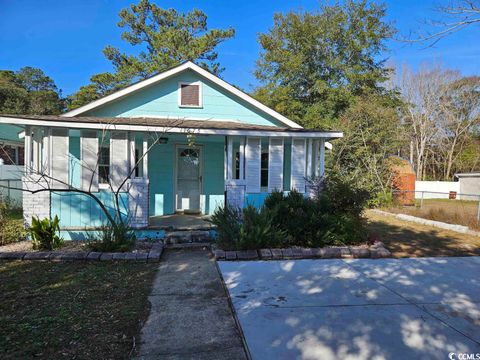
(161, 167)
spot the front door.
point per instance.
(189, 179)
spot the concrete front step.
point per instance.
(187, 236)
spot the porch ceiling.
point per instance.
(166, 125)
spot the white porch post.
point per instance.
(242, 158)
(234, 188)
(309, 158)
(229, 158)
(298, 164)
(275, 164)
(321, 167)
(131, 140)
(145, 156)
(28, 150)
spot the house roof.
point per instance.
(178, 69)
(181, 125)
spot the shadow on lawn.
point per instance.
(76, 310)
(416, 241)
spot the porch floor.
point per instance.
(180, 222)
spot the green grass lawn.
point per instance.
(72, 310)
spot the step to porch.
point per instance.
(187, 237)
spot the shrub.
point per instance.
(44, 234)
(11, 224)
(245, 229)
(258, 231)
(228, 222)
(117, 238)
(332, 217)
(296, 215)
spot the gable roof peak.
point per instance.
(173, 71)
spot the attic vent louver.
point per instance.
(190, 95)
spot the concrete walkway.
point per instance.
(423, 308)
(190, 316)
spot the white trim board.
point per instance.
(166, 74)
(164, 129)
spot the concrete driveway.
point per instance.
(423, 308)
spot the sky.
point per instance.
(66, 38)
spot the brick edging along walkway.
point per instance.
(153, 255)
(375, 251)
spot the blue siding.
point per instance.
(213, 174)
(10, 132)
(75, 166)
(80, 210)
(161, 162)
(89, 234)
(255, 199)
(160, 172)
(161, 100)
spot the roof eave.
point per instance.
(168, 73)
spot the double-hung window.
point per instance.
(104, 164)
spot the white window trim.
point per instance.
(105, 186)
(200, 94)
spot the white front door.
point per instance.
(189, 179)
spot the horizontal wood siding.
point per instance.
(161, 100)
(80, 210)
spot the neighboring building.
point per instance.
(210, 144)
(403, 180)
(469, 185)
(11, 163)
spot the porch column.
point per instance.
(28, 150)
(89, 160)
(321, 161)
(253, 164)
(37, 204)
(59, 155)
(275, 164)
(242, 158)
(234, 188)
(138, 190)
(145, 156)
(298, 163)
(309, 158)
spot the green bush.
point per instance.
(245, 229)
(44, 234)
(117, 238)
(11, 224)
(333, 216)
(258, 231)
(228, 222)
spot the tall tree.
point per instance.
(314, 64)
(372, 132)
(165, 38)
(459, 118)
(452, 17)
(29, 91)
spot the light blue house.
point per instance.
(183, 141)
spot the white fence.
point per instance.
(435, 189)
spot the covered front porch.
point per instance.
(160, 167)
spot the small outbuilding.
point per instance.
(469, 185)
(403, 180)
